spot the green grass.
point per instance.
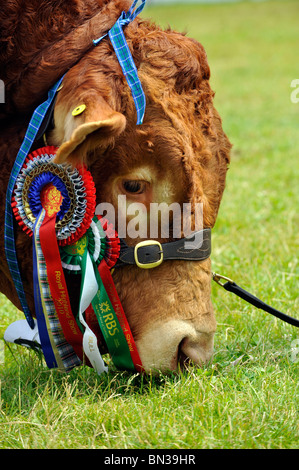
(248, 398)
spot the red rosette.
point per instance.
(79, 184)
(112, 250)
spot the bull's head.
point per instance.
(179, 154)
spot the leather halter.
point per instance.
(150, 253)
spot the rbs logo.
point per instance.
(295, 93)
(110, 324)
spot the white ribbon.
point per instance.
(90, 345)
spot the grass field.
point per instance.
(248, 398)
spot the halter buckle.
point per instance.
(159, 252)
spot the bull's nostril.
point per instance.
(182, 359)
(198, 350)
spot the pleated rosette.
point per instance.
(73, 187)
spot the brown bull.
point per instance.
(179, 154)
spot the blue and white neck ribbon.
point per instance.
(9, 239)
(125, 58)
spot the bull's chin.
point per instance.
(174, 346)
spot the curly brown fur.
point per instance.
(41, 40)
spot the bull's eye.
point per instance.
(134, 186)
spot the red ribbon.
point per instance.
(58, 286)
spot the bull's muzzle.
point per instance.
(175, 344)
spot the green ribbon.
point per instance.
(77, 255)
(111, 329)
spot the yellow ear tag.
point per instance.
(79, 110)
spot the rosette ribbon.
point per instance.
(55, 204)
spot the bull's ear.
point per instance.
(90, 125)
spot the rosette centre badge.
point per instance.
(51, 199)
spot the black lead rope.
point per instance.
(231, 286)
